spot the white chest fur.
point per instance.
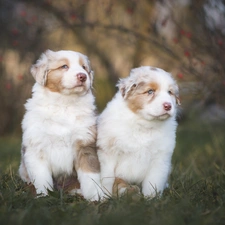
(138, 151)
(53, 125)
(134, 149)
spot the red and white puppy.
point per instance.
(59, 126)
(136, 133)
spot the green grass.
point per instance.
(196, 194)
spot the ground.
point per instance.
(196, 192)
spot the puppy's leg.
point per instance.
(108, 164)
(88, 172)
(38, 173)
(156, 179)
(23, 172)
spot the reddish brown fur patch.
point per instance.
(126, 93)
(178, 100)
(85, 64)
(66, 183)
(119, 184)
(87, 159)
(54, 81)
(55, 75)
(174, 92)
(58, 63)
(140, 97)
(81, 61)
(153, 86)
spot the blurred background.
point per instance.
(184, 37)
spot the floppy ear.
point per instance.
(40, 69)
(126, 87)
(177, 95)
(177, 100)
(92, 76)
(90, 71)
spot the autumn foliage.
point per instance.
(180, 36)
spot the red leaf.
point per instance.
(175, 40)
(188, 34)
(182, 32)
(220, 42)
(48, 2)
(203, 63)
(34, 18)
(73, 16)
(187, 53)
(20, 77)
(23, 13)
(29, 22)
(15, 31)
(180, 75)
(8, 86)
(130, 10)
(15, 43)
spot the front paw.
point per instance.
(121, 188)
(90, 186)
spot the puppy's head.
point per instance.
(66, 72)
(150, 92)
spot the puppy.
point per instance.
(59, 126)
(136, 133)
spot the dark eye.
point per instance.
(84, 67)
(64, 67)
(151, 92)
(170, 92)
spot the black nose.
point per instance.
(167, 106)
(82, 77)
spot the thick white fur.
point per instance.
(136, 145)
(54, 125)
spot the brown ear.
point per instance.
(125, 89)
(176, 94)
(177, 100)
(40, 69)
